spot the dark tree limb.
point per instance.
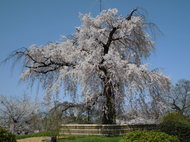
(130, 15)
(43, 67)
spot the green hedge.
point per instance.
(6, 136)
(175, 117)
(176, 124)
(179, 129)
(148, 136)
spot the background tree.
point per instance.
(103, 58)
(179, 99)
(16, 114)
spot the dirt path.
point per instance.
(33, 139)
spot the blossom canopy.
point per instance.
(104, 55)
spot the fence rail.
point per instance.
(102, 129)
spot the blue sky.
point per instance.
(27, 22)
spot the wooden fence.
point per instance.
(102, 129)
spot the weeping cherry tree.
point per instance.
(103, 58)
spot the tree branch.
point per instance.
(48, 65)
(130, 15)
(110, 39)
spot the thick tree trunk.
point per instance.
(109, 111)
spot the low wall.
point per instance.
(102, 129)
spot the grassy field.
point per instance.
(91, 139)
(73, 139)
(38, 137)
(40, 134)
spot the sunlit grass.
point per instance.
(40, 134)
(91, 139)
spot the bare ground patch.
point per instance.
(33, 139)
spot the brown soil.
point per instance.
(33, 139)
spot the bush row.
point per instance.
(174, 127)
(148, 136)
(177, 125)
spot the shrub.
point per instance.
(175, 117)
(6, 136)
(177, 128)
(148, 136)
(176, 124)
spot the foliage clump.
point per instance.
(175, 117)
(176, 124)
(148, 136)
(6, 136)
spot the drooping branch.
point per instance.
(43, 66)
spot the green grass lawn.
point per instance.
(91, 139)
(40, 134)
(73, 139)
